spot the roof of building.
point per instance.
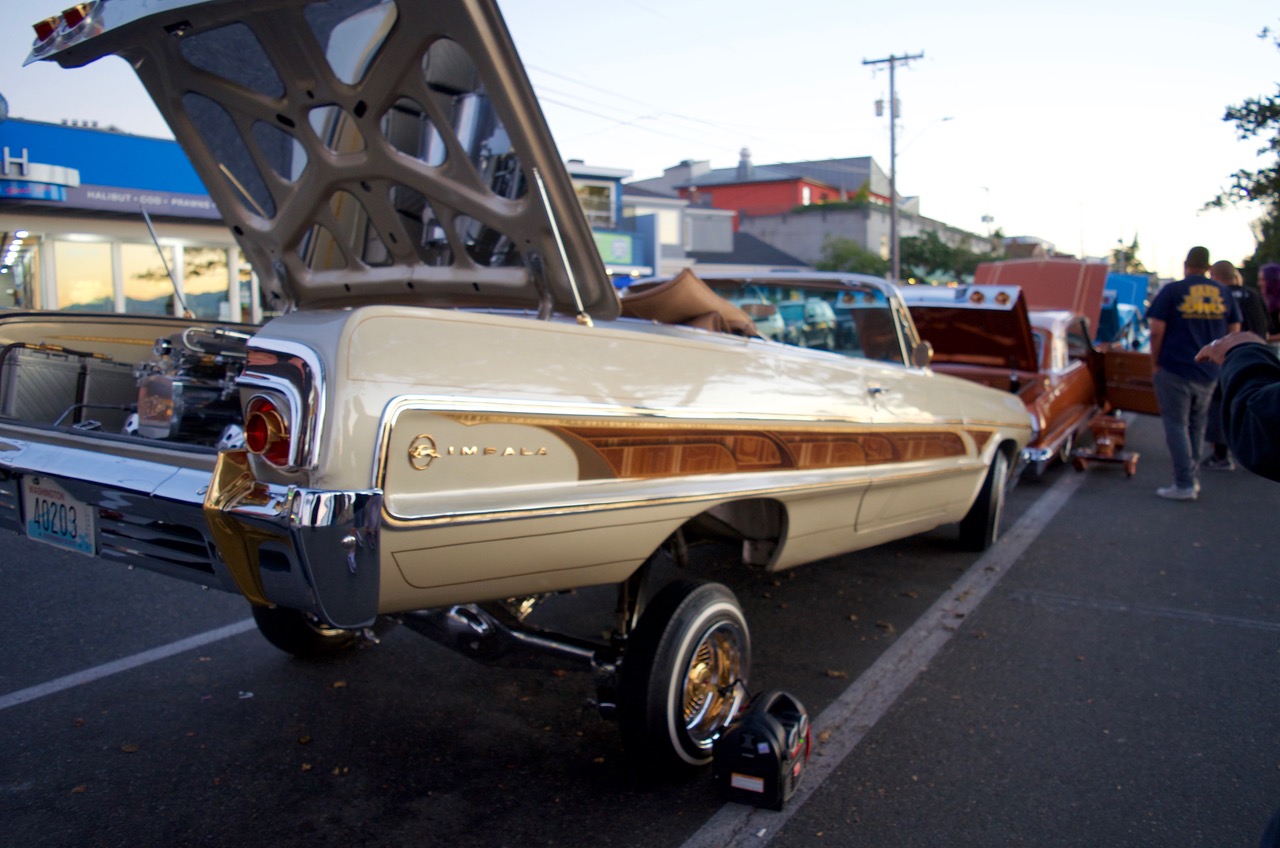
(639, 191)
(847, 174)
(749, 250)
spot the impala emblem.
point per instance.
(422, 452)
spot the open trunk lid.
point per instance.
(397, 156)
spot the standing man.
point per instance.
(1253, 319)
(1186, 316)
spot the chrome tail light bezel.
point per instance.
(290, 376)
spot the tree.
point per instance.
(845, 254)
(926, 257)
(1258, 118)
(1124, 259)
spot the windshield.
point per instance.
(865, 325)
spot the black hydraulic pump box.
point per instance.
(761, 756)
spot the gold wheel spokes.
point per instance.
(710, 697)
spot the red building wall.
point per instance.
(762, 198)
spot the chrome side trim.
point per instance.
(586, 413)
(600, 497)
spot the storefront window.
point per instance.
(597, 202)
(17, 285)
(205, 282)
(147, 287)
(83, 276)
(84, 280)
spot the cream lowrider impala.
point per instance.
(453, 416)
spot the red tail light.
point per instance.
(266, 432)
(68, 20)
(46, 28)
(75, 15)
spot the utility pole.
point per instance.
(895, 262)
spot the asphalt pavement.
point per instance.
(1118, 687)
(1106, 675)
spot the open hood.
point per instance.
(1071, 284)
(974, 325)
(362, 151)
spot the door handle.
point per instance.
(876, 390)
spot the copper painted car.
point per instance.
(454, 416)
(986, 334)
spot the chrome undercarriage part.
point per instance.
(674, 673)
(492, 634)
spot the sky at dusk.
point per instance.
(1084, 125)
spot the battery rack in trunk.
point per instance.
(48, 384)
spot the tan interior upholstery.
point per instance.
(685, 299)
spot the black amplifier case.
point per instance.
(761, 757)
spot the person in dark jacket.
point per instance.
(1269, 282)
(1249, 374)
(1253, 317)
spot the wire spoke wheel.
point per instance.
(711, 696)
(684, 675)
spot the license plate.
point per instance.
(53, 516)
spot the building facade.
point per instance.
(99, 220)
(95, 219)
(796, 207)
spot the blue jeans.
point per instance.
(1184, 409)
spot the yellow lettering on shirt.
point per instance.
(1203, 301)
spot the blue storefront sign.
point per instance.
(33, 191)
(101, 170)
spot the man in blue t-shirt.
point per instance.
(1186, 316)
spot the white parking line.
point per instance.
(89, 675)
(851, 716)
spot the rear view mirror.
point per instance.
(922, 354)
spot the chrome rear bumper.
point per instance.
(201, 516)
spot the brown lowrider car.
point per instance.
(986, 334)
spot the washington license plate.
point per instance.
(53, 516)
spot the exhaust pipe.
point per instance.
(494, 636)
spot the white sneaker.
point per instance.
(1174, 492)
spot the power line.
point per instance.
(622, 96)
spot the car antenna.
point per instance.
(186, 313)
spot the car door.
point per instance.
(1127, 380)
(922, 418)
(920, 414)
